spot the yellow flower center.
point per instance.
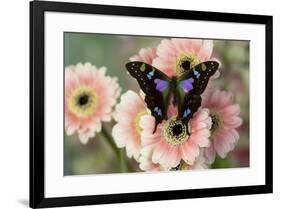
(216, 122)
(137, 121)
(185, 61)
(83, 101)
(175, 132)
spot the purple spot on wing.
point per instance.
(187, 85)
(161, 85)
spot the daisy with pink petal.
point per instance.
(145, 55)
(175, 55)
(225, 119)
(173, 140)
(199, 164)
(145, 160)
(127, 131)
(89, 98)
(146, 163)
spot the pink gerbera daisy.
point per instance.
(175, 55)
(146, 163)
(173, 140)
(89, 98)
(200, 162)
(126, 132)
(225, 120)
(145, 55)
(145, 160)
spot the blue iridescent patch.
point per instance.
(150, 75)
(158, 111)
(196, 73)
(186, 112)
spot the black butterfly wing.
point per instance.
(190, 105)
(201, 74)
(155, 85)
(191, 85)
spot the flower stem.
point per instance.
(120, 153)
(122, 160)
(110, 141)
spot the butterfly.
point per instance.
(184, 91)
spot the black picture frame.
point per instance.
(37, 102)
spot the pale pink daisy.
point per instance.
(225, 120)
(173, 140)
(175, 55)
(200, 162)
(146, 164)
(127, 131)
(145, 160)
(89, 98)
(145, 55)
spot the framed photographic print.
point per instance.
(141, 104)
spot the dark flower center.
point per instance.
(185, 61)
(177, 129)
(83, 99)
(176, 168)
(215, 122)
(181, 166)
(175, 132)
(185, 64)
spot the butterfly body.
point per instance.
(161, 90)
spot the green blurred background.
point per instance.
(113, 51)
